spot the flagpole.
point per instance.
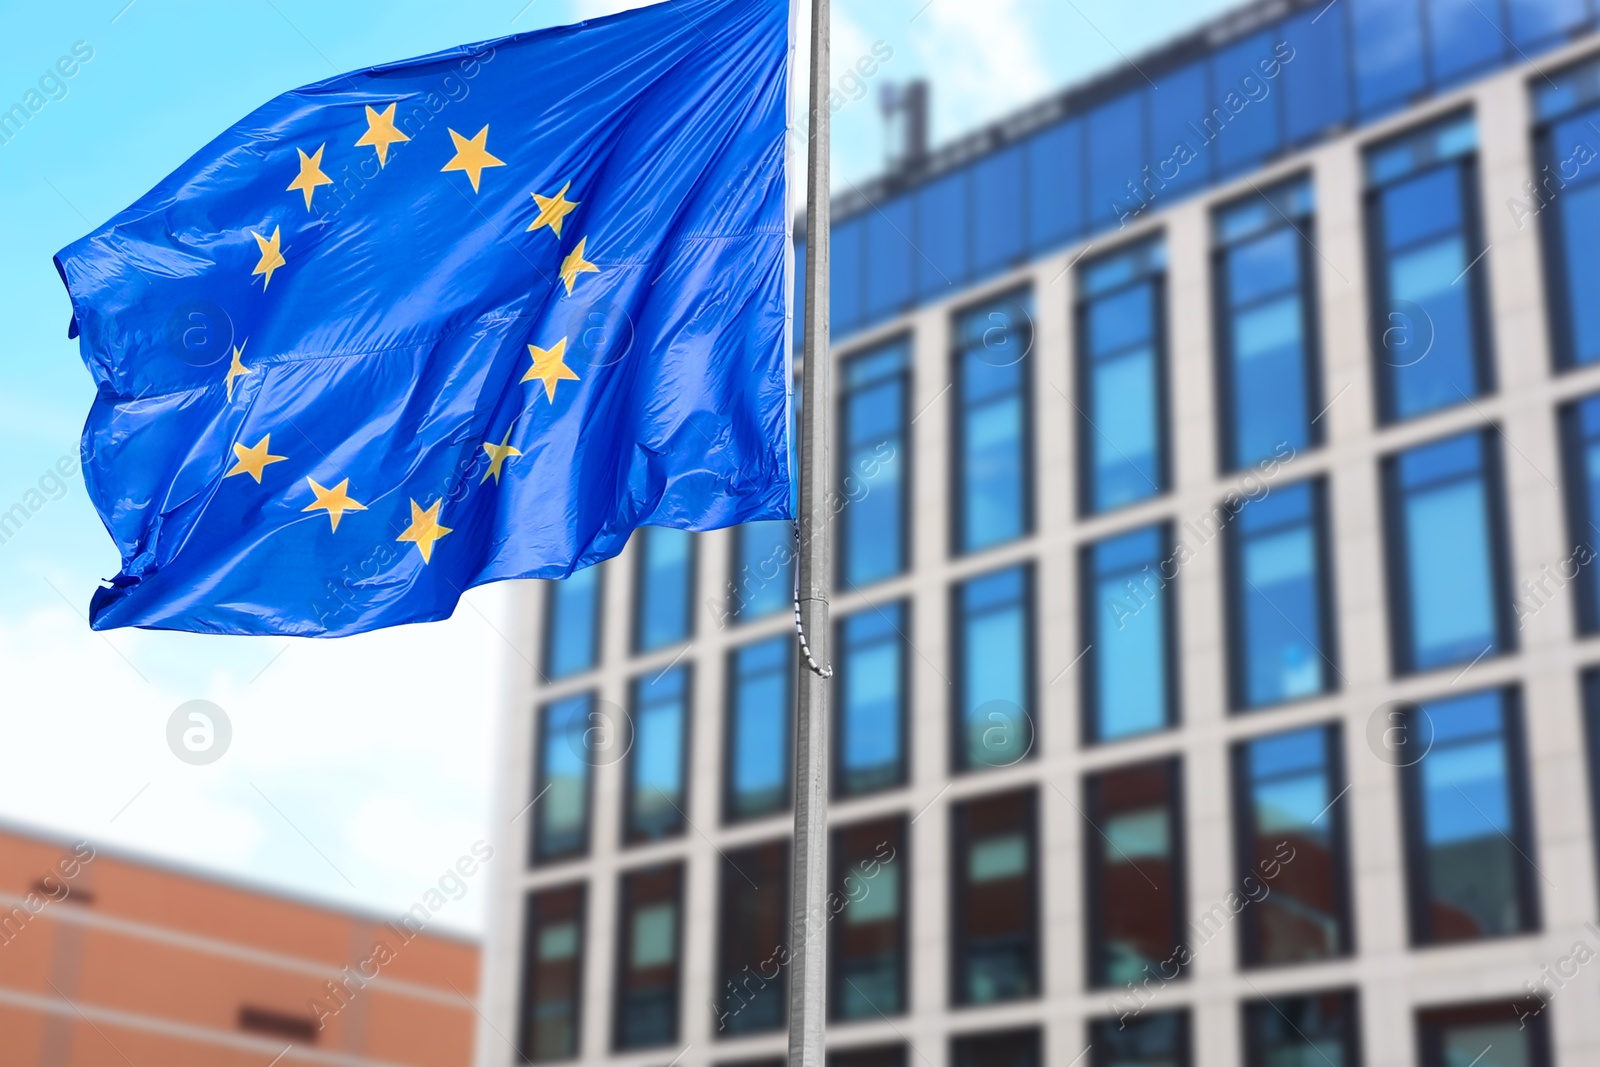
(808, 958)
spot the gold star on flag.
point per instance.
(335, 501)
(424, 529)
(472, 155)
(553, 210)
(575, 265)
(271, 256)
(310, 175)
(238, 369)
(550, 367)
(254, 460)
(381, 132)
(498, 454)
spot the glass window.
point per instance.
(1316, 1030)
(1580, 431)
(994, 657)
(1468, 830)
(763, 562)
(875, 452)
(552, 974)
(1055, 189)
(1121, 378)
(1568, 206)
(943, 219)
(1282, 625)
(1135, 872)
(876, 1056)
(1498, 1033)
(664, 613)
(649, 940)
(657, 800)
(867, 965)
(760, 722)
(1388, 52)
(1292, 833)
(891, 258)
(1128, 622)
(561, 786)
(1266, 298)
(1116, 154)
(1430, 340)
(1316, 82)
(846, 252)
(994, 899)
(1464, 36)
(1538, 21)
(997, 204)
(1591, 713)
(1011, 1048)
(869, 702)
(572, 624)
(753, 928)
(993, 475)
(1446, 553)
(1256, 131)
(1152, 1039)
(1179, 159)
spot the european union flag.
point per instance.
(447, 321)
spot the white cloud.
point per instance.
(984, 58)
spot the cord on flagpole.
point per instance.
(799, 626)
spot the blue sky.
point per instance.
(359, 769)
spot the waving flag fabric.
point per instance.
(458, 319)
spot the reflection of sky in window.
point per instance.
(1464, 778)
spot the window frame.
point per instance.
(960, 837)
(907, 378)
(628, 837)
(1089, 628)
(546, 671)
(841, 664)
(1234, 599)
(836, 875)
(530, 923)
(1524, 838)
(641, 582)
(1022, 295)
(537, 858)
(958, 670)
(625, 878)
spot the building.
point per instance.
(108, 960)
(1217, 461)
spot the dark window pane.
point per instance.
(868, 951)
(1494, 1034)
(997, 203)
(666, 577)
(1121, 379)
(1316, 82)
(869, 739)
(1291, 840)
(1135, 866)
(1444, 544)
(1580, 432)
(753, 919)
(649, 937)
(1056, 188)
(1305, 1031)
(995, 665)
(1388, 52)
(875, 455)
(891, 258)
(1465, 36)
(877, 1056)
(1116, 154)
(552, 974)
(1012, 1048)
(1571, 226)
(572, 624)
(1280, 634)
(1255, 131)
(1468, 833)
(763, 578)
(561, 822)
(1180, 158)
(759, 728)
(1157, 1039)
(942, 224)
(1128, 623)
(992, 422)
(656, 794)
(995, 899)
(845, 285)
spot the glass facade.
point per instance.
(760, 722)
(552, 979)
(993, 476)
(1447, 584)
(562, 785)
(1121, 382)
(656, 800)
(867, 950)
(1128, 621)
(874, 458)
(664, 611)
(1469, 839)
(1267, 326)
(1133, 866)
(994, 642)
(1566, 202)
(1282, 625)
(762, 581)
(869, 735)
(1153, 1039)
(572, 624)
(649, 921)
(1303, 1031)
(1580, 432)
(994, 900)
(1010, 1048)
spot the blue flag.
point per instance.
(448, 321)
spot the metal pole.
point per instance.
(808, 958)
